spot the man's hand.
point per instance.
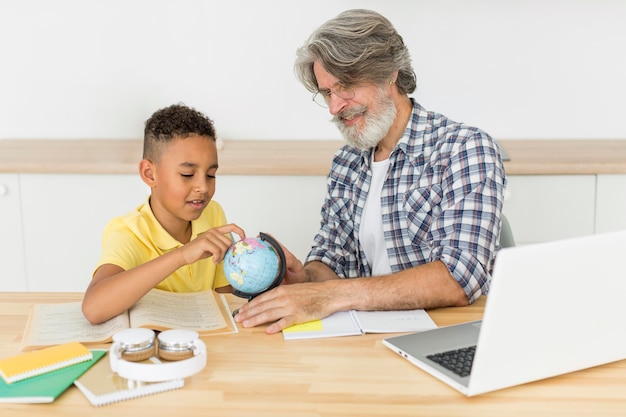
(295, 272)
(287, 305)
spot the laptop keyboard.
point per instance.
(458, 361)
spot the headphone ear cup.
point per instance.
(135, 344)
(175, 356)
(176, 344)
(139, 355)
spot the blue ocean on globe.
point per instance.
(251, 265)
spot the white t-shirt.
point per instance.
(371, 231)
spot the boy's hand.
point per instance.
(214, 242)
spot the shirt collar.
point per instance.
(411, 143)
(161, 237)
(413, 136)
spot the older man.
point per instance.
(412, 214)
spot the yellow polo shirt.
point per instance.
(137, 237)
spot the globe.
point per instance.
(254, 265)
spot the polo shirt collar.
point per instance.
(161, 238)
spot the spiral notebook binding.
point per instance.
(30, 364)
(129, 394)
(101, 386)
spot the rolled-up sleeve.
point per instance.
(464, 235)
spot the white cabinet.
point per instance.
(64, 216)
(63, 219)
(51, 224)
(550, 207)
(12, 275)
(611, 207)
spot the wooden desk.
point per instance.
(253, 374)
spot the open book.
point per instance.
(206, 312)
(353, 322)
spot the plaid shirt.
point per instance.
(441, 200)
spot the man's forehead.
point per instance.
(325, 80)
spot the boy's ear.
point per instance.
(146, 171)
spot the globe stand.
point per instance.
(282, 269)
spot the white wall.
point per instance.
(98, 69)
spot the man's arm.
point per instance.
(425, 286)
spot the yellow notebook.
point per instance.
(26, 365)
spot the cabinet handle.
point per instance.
(4, 190)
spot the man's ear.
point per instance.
(147, 172)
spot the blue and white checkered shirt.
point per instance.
(441, 200)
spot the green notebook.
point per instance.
(45, 388)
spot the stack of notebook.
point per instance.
(41, 376)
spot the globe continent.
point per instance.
(251, 265)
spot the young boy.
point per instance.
(177, 239)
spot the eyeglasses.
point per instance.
(322, 97)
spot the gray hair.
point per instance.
(357, 46)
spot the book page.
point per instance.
(341, 323)
(162, 310)
(349, 323)
(394, 321)
(54, 324)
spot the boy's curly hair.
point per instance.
(175, 121)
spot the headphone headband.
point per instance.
(163, 371)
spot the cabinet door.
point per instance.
(611, 203)
(12, 273)
(550, 207)
(64, 216)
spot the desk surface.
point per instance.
(253, 374)
(295, 157)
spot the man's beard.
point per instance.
(378, 120)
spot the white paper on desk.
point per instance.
(395, 321)
(350, 323)
(341, 323)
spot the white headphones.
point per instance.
(183, 351)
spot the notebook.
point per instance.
(29, 364)
(553, 308)
(353, 322)
(47, 387)
(101, 386)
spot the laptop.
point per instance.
(553, 308)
